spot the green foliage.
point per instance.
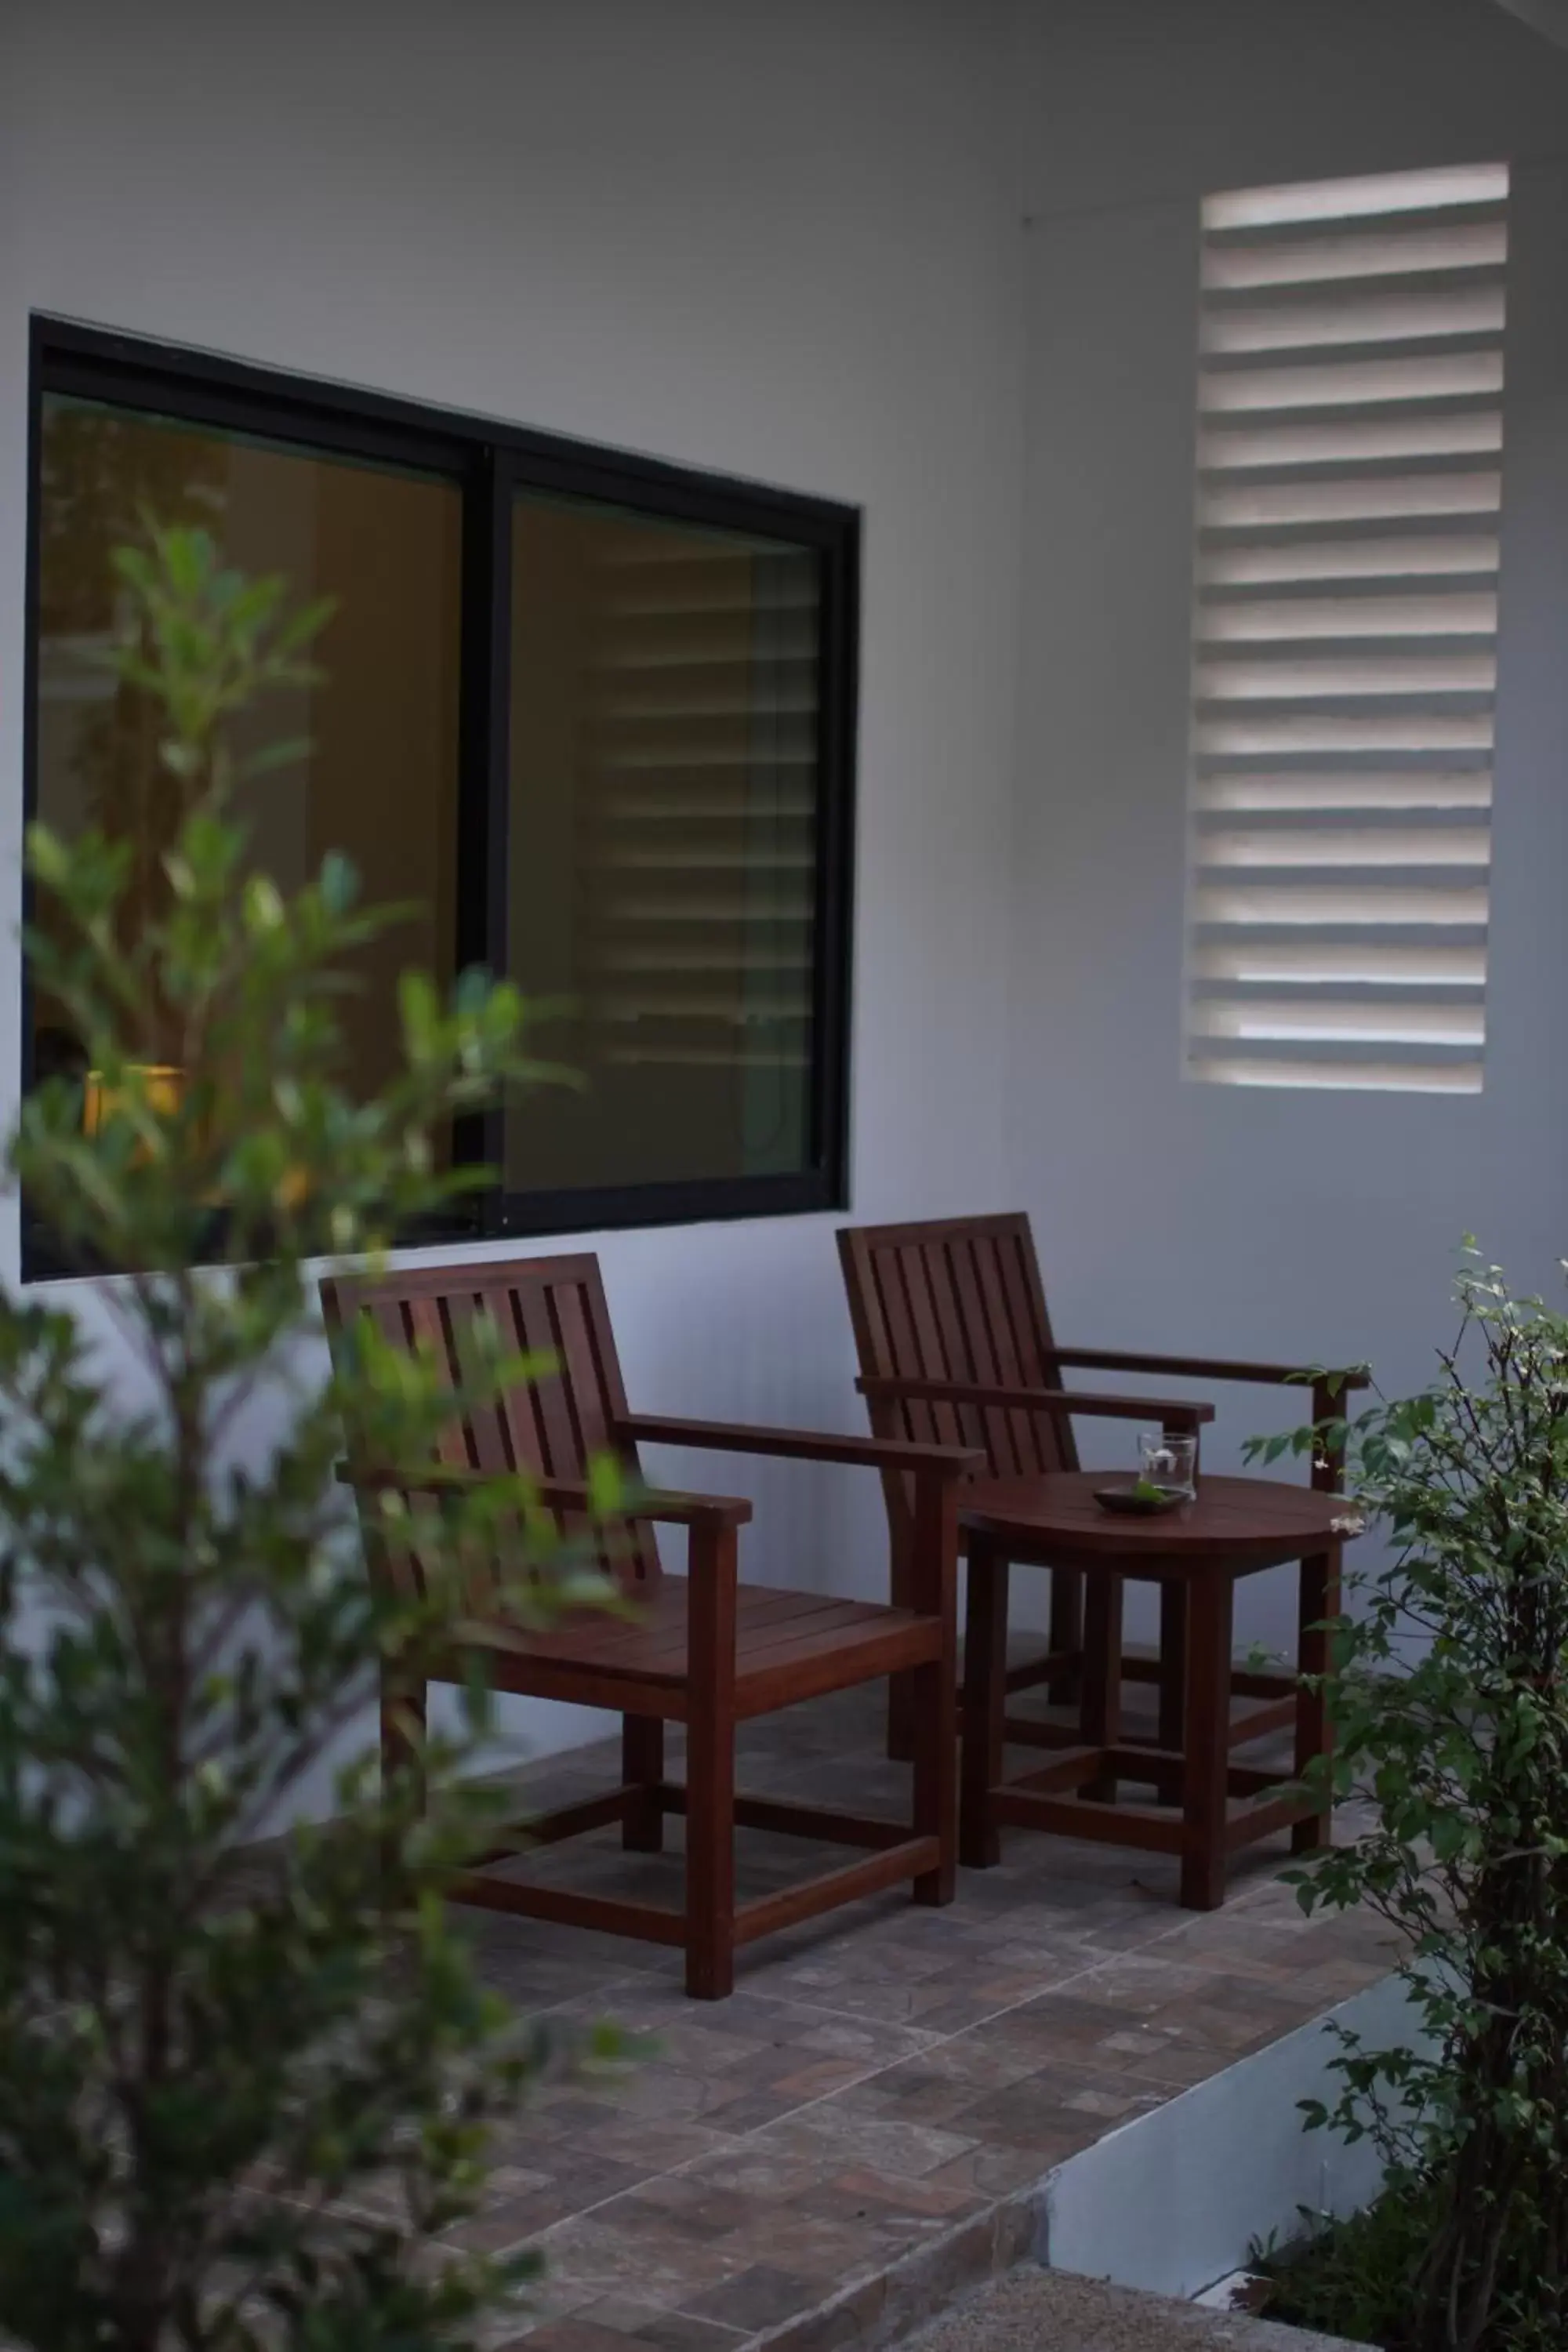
(1450, 1702)
(1350, 2277)
(240, 2100)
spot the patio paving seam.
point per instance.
(990, 2017)
(959, 2032)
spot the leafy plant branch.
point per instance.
(1458, 1737)
(242, 2099)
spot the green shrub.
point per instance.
(1450, 1704)
(238, 2107)
(1350, 2277)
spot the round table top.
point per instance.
(1248, 1522)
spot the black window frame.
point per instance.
(489, 461)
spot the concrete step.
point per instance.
(1037, 2310)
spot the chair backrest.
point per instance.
(552, 1426)
(958, 1298)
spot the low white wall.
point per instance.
(1179, 2197)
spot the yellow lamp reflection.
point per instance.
(162, 1087)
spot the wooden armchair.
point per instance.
(703, 1649)
(956, 1347)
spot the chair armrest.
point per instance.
(1169, 1412)
(800, 1445)
(660, 1504)
(1211, 1368)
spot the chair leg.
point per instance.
(931, 1582)
(902, 1687)
(642, 1768)
(710, 1858)
(402, 1730)
(711, 1765)
(984, 1703)
(1067, 1634)
(902, 1718)
(936, 1775)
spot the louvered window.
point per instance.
(1349, 452)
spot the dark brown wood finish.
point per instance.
(984, 1690)
(1235, 1528)
(1188, 1419)
(703, 1649)
(1234, 1523)
(955, 1345)
(954, 1339)
(958, 1302)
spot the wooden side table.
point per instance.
(1235, 1528)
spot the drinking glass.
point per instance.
(1169, 1461)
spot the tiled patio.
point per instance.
(873, 2104)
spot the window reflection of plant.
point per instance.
(101, 473)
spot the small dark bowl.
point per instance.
(1139, 1507)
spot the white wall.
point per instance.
(1178, 2197)
(775, 241)
(1173, 1213)
(784, 241)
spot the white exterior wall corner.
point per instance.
(1174, 1214)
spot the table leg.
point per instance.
(1207, 1741)
(1173, 1662)
(1319, 1601)
(1099, 1714)
(984, 1703)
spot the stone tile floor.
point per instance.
(884, 2082)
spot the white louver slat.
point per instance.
(1345, 626)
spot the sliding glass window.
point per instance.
(590, 717)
